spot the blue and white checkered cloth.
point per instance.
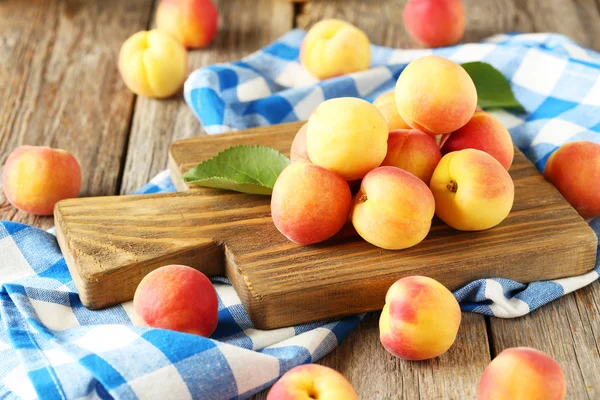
(52, 347)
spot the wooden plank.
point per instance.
(61, 88)
(383, 23)
(245, 26)
(375, 374)
(568, 329)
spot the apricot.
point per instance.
(36, 178)
(192, 22)
(152, 64)
(393, 209)
(420, 319)
(333, 47)
(386, 103)
(312, 381)
(413, 151)
(298, 150)
(178, 298)
(522, 373)
(574, 169)
(435, 23)
(472, 190)
(435, 95)
(309, 204)
(347, 135)
(483, 132)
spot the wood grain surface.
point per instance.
(60, 86)
(29, 33)
(110, 243)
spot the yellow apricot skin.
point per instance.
(435, 95)
(386, 103)
(420, 319)
(393, 209)
(333, 47)
(348, 136)
(153, 64)
(472, 190)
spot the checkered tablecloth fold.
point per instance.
(52, 347)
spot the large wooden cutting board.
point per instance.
(111, 243)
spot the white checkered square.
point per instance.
(307, 105)
(309, 340)
(253, 89)
(54, 316)
(19, 384)
(556, 132)
(58, 357)
(294, 75)
(404, 57)
(593, 96)
(371, 79)
(473, 52)
(243, 365)
(164, 383)
(539, 72)
(262, 339)
(13, 265)
(106, 337)
(227, 295)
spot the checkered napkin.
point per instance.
(52, 347)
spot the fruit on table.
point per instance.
(483, 132)
(309, 203)
(298, 150)
(312, 381)
(178, 298)
(420, 319)
(393, 209)
(347, 135)
(522, 373)
(35, 178)
(333, 47)
(574, 169)
(472, 190)
(435, 23)
(152, 64)
(435, 95)
(192, 22)
(413, 151)
(386, 103)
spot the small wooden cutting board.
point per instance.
(111, 243)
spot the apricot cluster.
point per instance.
(389, 150)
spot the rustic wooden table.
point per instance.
(59, 86)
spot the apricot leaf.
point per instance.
(246, 169)
(493, 90)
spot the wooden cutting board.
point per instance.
(111, 243)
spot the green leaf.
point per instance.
(246, 169)
(493, 90)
